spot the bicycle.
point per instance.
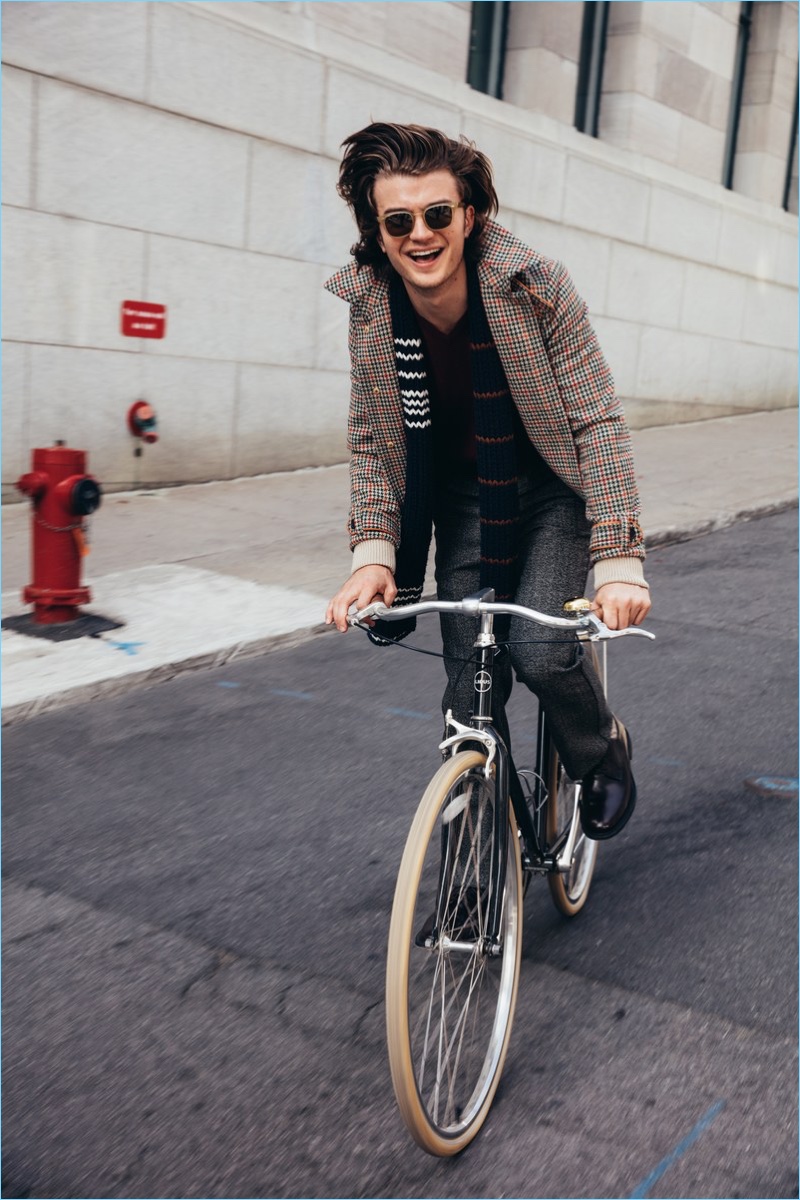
(483, 828)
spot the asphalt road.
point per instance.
(197, 885)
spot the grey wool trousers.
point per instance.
(554, 564)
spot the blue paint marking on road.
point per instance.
(410, 712)
(224, 683)
(288, 692)
(127, 647)
(774, 783)
(681, 1148)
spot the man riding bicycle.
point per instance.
(482, 406)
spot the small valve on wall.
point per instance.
(142, 423)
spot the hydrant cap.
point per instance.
(86, 496)
(33, 484)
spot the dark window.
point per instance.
(737, 90)
(590, 66)
(487, 47)
(789, 200)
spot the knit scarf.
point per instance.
(496, 458)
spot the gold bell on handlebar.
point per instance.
(577, 608)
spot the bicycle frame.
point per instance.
(537, 856)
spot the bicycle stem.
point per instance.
(485, 645)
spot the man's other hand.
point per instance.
(364, 585)
(621, 604)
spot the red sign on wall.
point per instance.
(141, 319)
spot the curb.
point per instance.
(673, 535)
(105, 689)
(83, 693)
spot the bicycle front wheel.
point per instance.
(450, 1003)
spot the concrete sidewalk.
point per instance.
(201, 574)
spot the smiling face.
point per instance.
(429, 261)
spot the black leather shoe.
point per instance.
(608, 794)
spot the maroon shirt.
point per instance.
(452, 408)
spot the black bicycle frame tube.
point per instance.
(482, 718)
(532, 825)
(501, 832)
(507, 784)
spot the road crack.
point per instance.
(220, 961)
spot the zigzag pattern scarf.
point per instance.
(496, 457)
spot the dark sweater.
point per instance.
(452, 412)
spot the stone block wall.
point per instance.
(768, 100)
(667, 81)
(542, 52)
(186, 153)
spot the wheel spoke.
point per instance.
(462, 1022)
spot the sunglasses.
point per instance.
(436, 216)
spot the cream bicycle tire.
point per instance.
(442, 1124)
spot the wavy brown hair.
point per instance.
(386, 149)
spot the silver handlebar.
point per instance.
(590, 624)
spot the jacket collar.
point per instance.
(504, 264)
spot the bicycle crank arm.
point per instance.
(564, 860)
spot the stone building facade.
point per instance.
(186, 154)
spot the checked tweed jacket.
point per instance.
(558, 379)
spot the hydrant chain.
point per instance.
(56, 528)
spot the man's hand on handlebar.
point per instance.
(363, 586)
(619, 605)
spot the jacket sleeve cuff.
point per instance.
(619, 570)
(374, 554)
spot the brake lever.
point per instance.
(376, 609)
(607, 634)
(603, 634)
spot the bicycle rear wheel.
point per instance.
(569, 889)
(449, 1004)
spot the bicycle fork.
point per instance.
(483, 731)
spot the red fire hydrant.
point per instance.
(63, 496)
